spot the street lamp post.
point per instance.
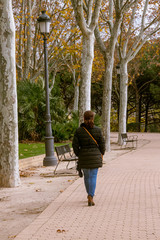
(50, 159)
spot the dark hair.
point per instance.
(89, 119)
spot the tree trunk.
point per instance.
(106, 101)
(108, 54)
(87, 20)
(86, 71)
(138, 106)
(28, 45)
(9, 169)
(146, 117)
(20, 73)
(140, 109)
(76, 90)
(76, 98)
(123, 99)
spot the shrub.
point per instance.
(65, 130)
(31, 110)
(133, 127)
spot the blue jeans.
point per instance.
(90, 179)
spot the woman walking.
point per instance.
(88, 144)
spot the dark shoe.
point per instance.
(90, 201)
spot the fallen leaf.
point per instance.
(12, 237)
(61, 231)
(70, 180)
(38, 190)
(32, 168)
(49, 181)
(26, 174)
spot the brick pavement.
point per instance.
(127, 203)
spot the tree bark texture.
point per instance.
(76, 97)
(106, 102)
(9, 168)
(28, 43)
(123, 99)
(86, 71)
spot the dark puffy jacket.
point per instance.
(89, 154)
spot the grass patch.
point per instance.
(27, 150)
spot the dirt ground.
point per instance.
(21, 205)
(39, 187)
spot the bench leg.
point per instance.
(123, 144)
(135, 144)
(67, 165)
(132, 144)
(56, 167)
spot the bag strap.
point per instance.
(93, 139)
(90, 135)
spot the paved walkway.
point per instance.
(127, 203)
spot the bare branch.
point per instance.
(144, 14)
(111, 14)
(95, 15)
(78, 10)
(136, 48)
(125, 44)
(99, 41)
(89, 12)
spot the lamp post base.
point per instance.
(50, 159)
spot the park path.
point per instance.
(127, 202)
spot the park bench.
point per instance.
(65, 154)
(129, 139)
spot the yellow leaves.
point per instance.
(73, 30)
(55, 23)
(38, 36)
(49, 181)
(12, 236)
(38, 190)
(61, 231)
